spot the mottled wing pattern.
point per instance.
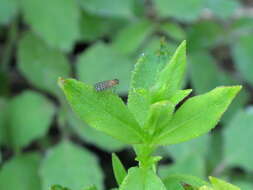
(100, 86)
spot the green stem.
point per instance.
(144, 156)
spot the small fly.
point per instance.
(100, 86)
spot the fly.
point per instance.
(100, 86)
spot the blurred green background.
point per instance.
(43, 143)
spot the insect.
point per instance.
(100, 86)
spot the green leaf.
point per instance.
(118, 169)
(236, 135)
(104, 111)
(147, 71)
(179, 95)
(131, 37)
(182, 10)
(244, 184)
(197, 146)
(222, 185)
(215, 151)
(108, 8)
(189, 157)
(8, 10)
(160, 114)
(239, 102)
(243, 57)
(170, 79)
(242, 25)
(223, 8)
(204, 81)
(101, 62)
(198, 115)
(204, 73)
(205, 34)
(57, 22)
(91, 135)
(142, 180)
(40, 64)
(21, 172)
(173, 30)
(93, 27)
(191, 165)
(138, 103)
(174, 181)
(70, 166)
(26, 113)
(148, 66)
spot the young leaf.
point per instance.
(145, 75)
(21, 172)
(142, 180)
(118, 169)
(71, 166)
(171, 77)
(160, 114)
(148, 67)
(104, 111)
(138, 103)
(220, 184)
(197, 115)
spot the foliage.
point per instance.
(159, 123)
(93, 41)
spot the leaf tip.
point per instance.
(183, 44)
(61, 82)
(236, 88)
